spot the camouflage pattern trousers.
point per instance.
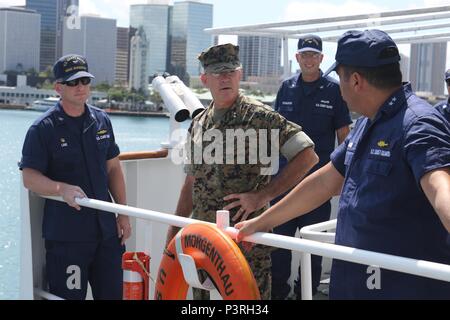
(258, 258)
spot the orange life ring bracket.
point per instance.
(204, 246)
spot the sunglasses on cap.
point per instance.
(73, 83)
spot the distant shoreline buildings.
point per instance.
(43, 30)
(19, 39)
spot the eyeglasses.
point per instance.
(306, 55)
(228, 74)
(448, 82)
(73, 83)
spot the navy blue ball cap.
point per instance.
(71, 67)
(309, 42)
(447, 74)
(368, 48)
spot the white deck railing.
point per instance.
(422, 268)
(315, 232)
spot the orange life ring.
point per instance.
(214, 252)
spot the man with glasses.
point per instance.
(70, 152)
(444, 106)
(226, 182)
(315, 103)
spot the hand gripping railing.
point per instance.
(422, 268)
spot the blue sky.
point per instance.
(244, 12)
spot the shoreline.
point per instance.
(12, 107)
(111, 112)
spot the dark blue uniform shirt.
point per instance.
(318, 108)
(55, 146)
(382, 206)
(444, 108)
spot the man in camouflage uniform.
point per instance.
(225, 182)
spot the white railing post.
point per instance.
(306, 276)
(313, 232)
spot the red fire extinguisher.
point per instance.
(136, 275)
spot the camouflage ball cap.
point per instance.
(220, 58)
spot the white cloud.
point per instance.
(90, 7)
(435, 3)
(116, 9)
(9, 3)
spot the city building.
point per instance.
(260, 56)
(189, 19)
(428, 61)
(154, 20)
(53, 13)
(66, 9)
(97, 41)
(122, 56)
(19, 39)
(138, 61)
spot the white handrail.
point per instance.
(422, 268)
(45, 295)
(316, 231)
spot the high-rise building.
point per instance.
(260, 56)
(169, 40)
(19, 39)
(131, 32)
(122, 60)
(188, 39)
(97, 41)
(66, 8)
(52, 19)
(154, 20)
(428, 67)
(138, 61)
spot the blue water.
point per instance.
(132, 134)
